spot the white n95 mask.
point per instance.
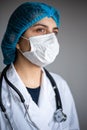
(44, 49)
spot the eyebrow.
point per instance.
(39, 24)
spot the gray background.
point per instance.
(71, 63)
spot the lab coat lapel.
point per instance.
(37, 114)
(17, 82)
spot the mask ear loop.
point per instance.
(27, 40)
(24, 38)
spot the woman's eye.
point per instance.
(41, 30)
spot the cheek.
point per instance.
(24, 45)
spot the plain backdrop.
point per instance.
(71, 63)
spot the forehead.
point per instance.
(48, 21)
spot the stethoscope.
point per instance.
(59, 116)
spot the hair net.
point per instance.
(23, 18)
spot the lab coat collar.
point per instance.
(45, 109)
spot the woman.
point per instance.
(28, 100)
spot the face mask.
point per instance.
(44, 49)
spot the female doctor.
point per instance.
(31, 98)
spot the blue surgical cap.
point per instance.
(22, 18)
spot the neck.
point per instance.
(29, 73)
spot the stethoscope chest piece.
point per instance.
(59, 116)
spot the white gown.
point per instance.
(41, 115)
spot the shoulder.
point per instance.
(60, 81)
(64, 89)
(56, 76)
(62, 85)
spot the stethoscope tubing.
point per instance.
(57, 97)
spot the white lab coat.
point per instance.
(42, 114)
